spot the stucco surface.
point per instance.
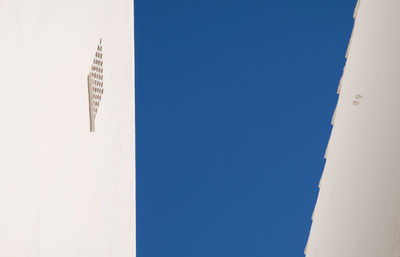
(358, 208)
(63, 190)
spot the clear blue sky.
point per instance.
(233, 101)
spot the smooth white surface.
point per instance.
(358, 208)
(63, 190)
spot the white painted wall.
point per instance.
(358, 209)
(64, 191)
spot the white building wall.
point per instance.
(358, 208)
(64, 191)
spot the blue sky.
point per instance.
(233, 101)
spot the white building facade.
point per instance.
(357, 213)
(67, 187)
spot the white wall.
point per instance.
(358, 209)
(64, 191)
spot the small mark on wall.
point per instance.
(95, 85)
(357, 100)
